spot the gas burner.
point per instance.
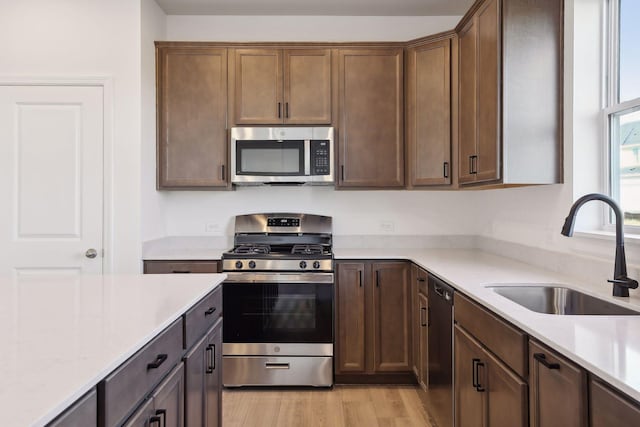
(252, 249)
(307, 250)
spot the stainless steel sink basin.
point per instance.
(551, 299)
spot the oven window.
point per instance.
(270, 157)
(278, 313)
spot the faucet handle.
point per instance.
(626, 282)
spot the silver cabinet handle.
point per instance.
(91, 253)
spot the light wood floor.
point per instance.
(344, 406)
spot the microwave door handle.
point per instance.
(307, 157)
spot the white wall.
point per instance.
(534, 216)
(306, 28)
(153, 27)
(69, 38)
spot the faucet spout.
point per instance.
(621, 283)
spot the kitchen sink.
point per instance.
(553, 299)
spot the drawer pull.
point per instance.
(180, 271)
(423, 322)
(156, 363)
(476, 363)
(211, 358)
(210, 311)
(540, 357)
(155, 420)
(270, 365)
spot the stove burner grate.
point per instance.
(307, 250)
(252, 249)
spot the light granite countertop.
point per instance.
(63, 335)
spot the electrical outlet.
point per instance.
(387, 226)
(213, 228)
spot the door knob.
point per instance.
(91, 253)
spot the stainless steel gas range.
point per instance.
(278, 302)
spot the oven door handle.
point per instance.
(279, 277)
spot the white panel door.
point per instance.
(51, 179)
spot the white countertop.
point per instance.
(608, 346)
(62, 335)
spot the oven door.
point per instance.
(278, 313)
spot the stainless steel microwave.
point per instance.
(282, 155)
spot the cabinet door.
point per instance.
(307, 86)
(371, 140)
(213, 380)
(423, 342)
(192, 117)
(488, 144)
(609, 408)
(558, 390)
(258, 86)
(144, 417)
(508, 404)
(470, 398)
(467, 102)
(168, 399)
(415, 323)
(392, 317)
(194, 387)
(350, 324)
(428, 117)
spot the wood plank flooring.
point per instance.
(344, 406)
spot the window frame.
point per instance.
(611, 108)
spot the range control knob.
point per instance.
(303, 264)
(316, 264)
(252, 264)
(238, 265)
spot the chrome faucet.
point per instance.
(621, 283)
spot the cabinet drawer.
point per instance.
(84, 412)
(505, 341)
(135, 378)
(168, 267)
(202, 316)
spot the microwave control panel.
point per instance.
(320, 157)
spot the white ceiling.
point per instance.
(316, 7)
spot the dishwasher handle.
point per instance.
(441, 289)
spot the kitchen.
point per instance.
(522, 221)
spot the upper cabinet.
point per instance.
(192, 115)
(428, 115)
(370, 118)
(510, 93)
(276, 86)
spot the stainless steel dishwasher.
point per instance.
(439, 397)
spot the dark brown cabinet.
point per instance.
(510, 131)
(558, 389)
(428, 115)
(165, 407)
(179, 266)
(490, 366)
(84, 412)
(479, 146)
(192, 117)
(203, 384)
(609, 408)
(276, 86)
(370, 118)
(419, 325)
(373, 328)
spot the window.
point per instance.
(622, 112)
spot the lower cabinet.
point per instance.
(609, 408)
(203, 380)
(487, 393)
(373, 318)
(558, 389)
(168, 267)
(165, 407)
(84, 412)
(423, 341)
